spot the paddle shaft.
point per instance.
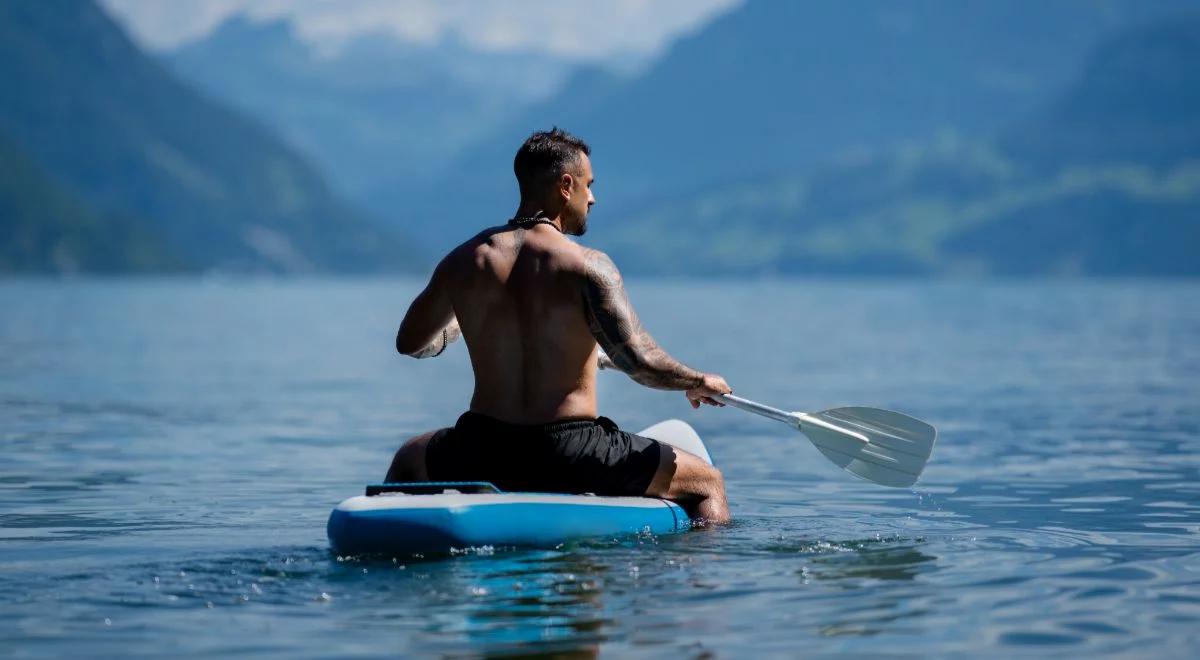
(796, 420)
(758, 408)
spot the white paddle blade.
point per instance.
(898, 449)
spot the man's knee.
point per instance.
(713, 480)
(682, 474)
(690, 481)
(717, 478)
(408, 464)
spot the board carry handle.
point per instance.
(433, 488)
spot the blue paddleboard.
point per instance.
(431, 518)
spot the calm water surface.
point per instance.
(169, 452)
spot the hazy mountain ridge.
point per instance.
(935, 146)
(775, 86)
(376, 113)
(1136, 99)
(1104, 180)
(48, 229)
(123, 136)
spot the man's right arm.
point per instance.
(629, 346)
(429, 325)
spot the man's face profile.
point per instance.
(581, 199)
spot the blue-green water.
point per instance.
(169, 452)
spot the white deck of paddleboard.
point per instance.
(454, 501)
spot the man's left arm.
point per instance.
(429, 326)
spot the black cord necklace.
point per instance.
(530, 221)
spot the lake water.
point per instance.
(170, 450)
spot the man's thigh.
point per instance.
(409, 463)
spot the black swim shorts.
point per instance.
(578, 456)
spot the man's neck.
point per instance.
(533, 213)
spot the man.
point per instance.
(534, 307)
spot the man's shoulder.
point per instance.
(466, 251)
(562, 253)
(587, 261)
(599, 268)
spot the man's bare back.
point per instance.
(518, 296)
(535, 310)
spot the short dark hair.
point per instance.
(545, 156)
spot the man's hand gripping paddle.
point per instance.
(881, 446)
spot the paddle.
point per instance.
(885, 447)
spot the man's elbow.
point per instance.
(404, 347)
(631, 363)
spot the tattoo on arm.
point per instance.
(619, 332)
(447, 336)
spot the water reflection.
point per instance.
(882, 562)
(532, 603)
(856, 566)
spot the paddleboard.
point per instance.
(436, 518)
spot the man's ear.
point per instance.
(565, 184)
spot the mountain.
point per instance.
(1103, 180)
(375, 111)
(776, 86)
(1121, 154)
(1137, 100)
(48, 230)
(120, 133)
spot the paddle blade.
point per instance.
(897, 452)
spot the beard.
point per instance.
(581, 229)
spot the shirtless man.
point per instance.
(535, 309)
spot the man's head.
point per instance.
(555, 175)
